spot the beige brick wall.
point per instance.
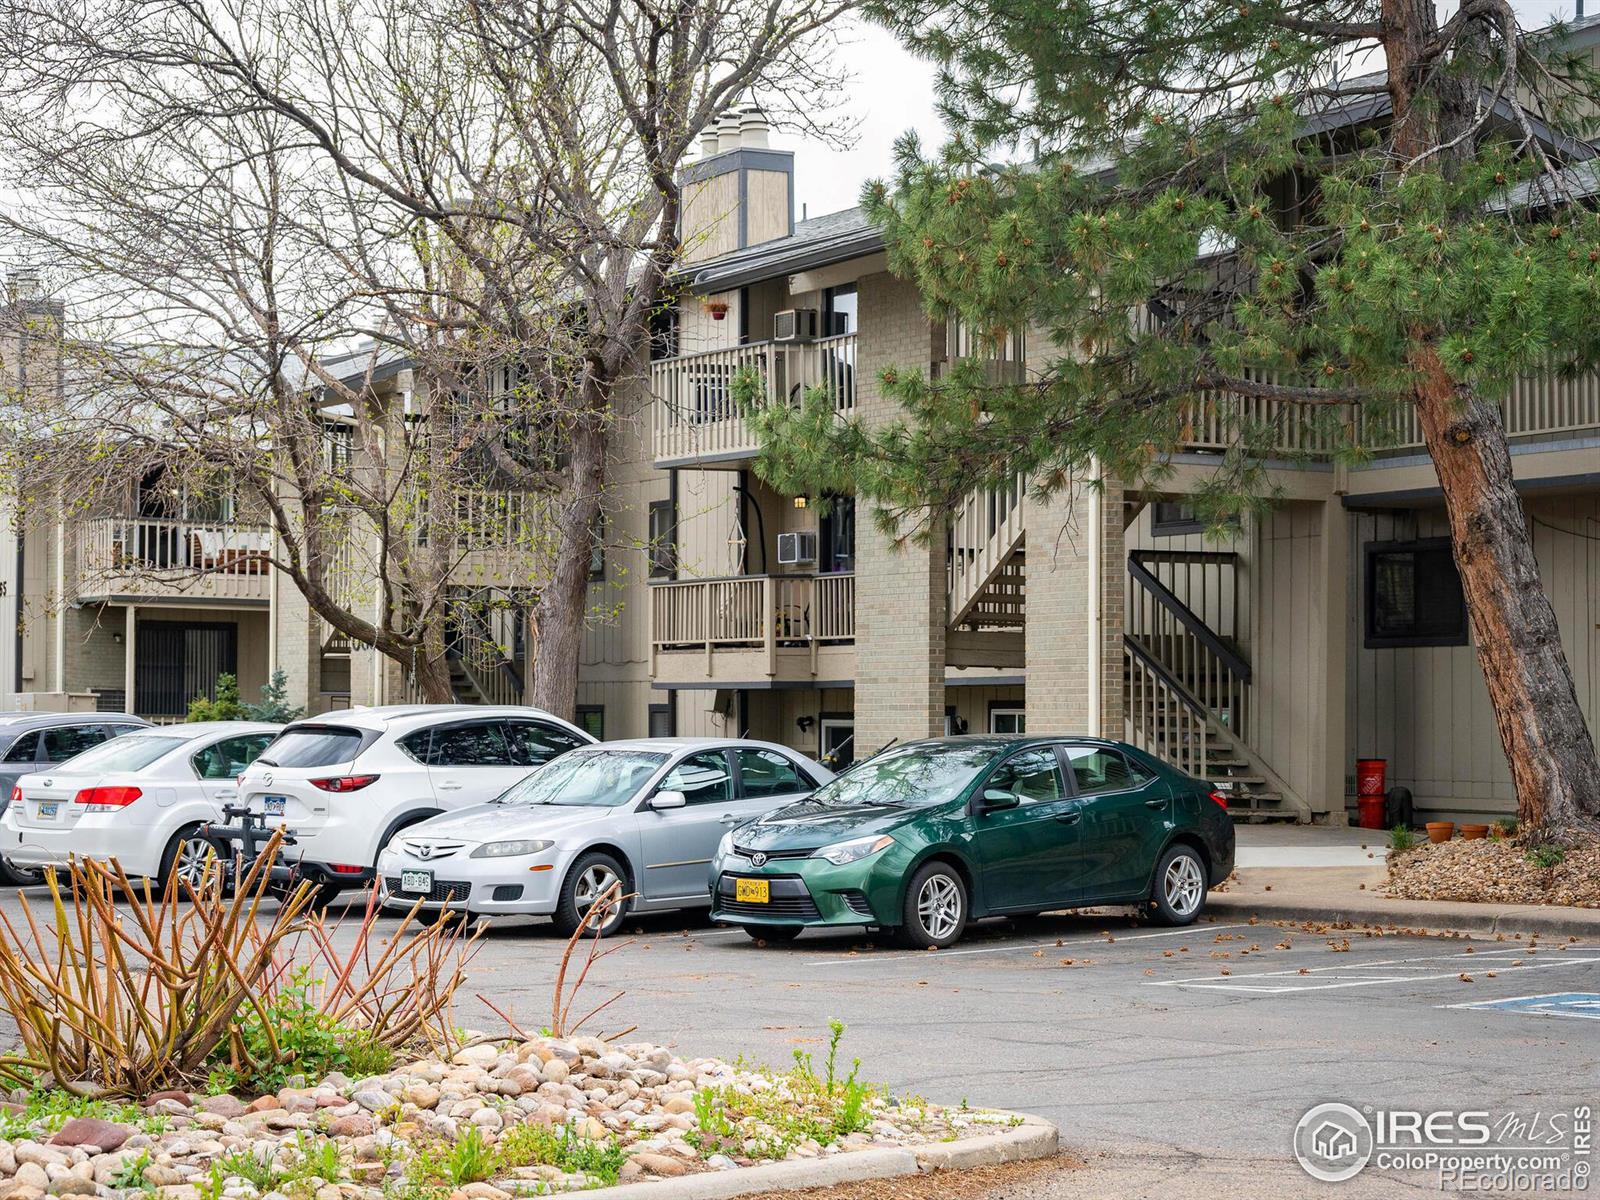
(900, 590)
(1058, 632)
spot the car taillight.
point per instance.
(16, 795)
(108, 797)
(1220, 799)
(344, 783)
(346, 868)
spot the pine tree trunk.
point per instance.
(1542, 730)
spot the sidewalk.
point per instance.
(1335, 894)
(1317, 873)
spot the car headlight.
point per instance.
(510, 849)
(725, 846)
(841, 853)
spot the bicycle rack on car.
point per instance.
(245, 840)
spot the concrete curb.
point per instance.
(1034, 1138)
(1413, 914)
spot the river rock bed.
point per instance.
(1494, 871)
(629, 1112)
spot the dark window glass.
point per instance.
(62, 744)
(1033, 775)
(837, 529)
(660, 720)
(840, 309)
(313, 746)
(1168, 517)
(533, 743)
(25, 749)
(702, 778)
(768, 773)
(592, 720)
(663, 534)
(597, 554)
(476, 744)
(225, 759)
(1096, 769)
(1414, 595)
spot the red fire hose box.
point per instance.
(1372, 779)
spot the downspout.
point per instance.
(1096, 608)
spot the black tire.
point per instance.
(1179, 892)
(186, 854)
(589, 877)
(934, 914)
(775, 934)
(19, 876)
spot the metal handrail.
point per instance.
(1186, 617)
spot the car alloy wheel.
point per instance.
(939, 906)
(1180, 886)
(592, 884)
(190, 861)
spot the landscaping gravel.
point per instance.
(1491, 871)
(469, 1129)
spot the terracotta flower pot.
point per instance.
(1441, 831)
(1474, 832)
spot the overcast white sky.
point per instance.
(893, 92)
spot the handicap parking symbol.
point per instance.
(1552, 1004)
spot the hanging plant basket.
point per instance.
(717, 308)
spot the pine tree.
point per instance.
(1335, 211)
(225, 707)
(274, 705)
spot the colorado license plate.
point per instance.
(47, 812)
(752, 891)
(416, 881)
(273, 806)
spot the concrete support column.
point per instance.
(130, 642)
(1330, 632)
(1073, 638)
(900, 590)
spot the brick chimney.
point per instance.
(739, 192)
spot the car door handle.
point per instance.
(227, 795)
(727, 819)
(1070, 817)
(449, 787)
(1156, 802)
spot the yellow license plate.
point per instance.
(752, 891)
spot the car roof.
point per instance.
(1005, 741)
(683, 745)
(16, 721)
(387, 716)
(197, 729)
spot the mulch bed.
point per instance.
(1487, 871)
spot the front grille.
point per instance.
(443, 890)
(779, 906)
(506, 891)
(430, 851)
(856, 902)
(772, 855)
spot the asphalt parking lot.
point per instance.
(1211, 1040)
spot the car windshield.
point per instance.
(312, 746)
(587, 779)
(908, 776)
(123, 754)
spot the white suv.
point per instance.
(346, 782)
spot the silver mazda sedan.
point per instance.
(647, 813)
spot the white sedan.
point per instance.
(140, 799)
(646, 813)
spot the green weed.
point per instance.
(1401, 838)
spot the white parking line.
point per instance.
(1329, 978)
(1191, 931)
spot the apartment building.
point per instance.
(1330, 630)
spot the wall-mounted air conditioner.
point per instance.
(795, 325)
(798, 547)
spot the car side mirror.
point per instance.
(665, 800)
(995, 799)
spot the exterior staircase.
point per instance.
(1187, 686)
(481, 670)
(987, 571)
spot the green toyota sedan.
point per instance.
(926, 836)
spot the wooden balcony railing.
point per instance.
(155, 558)
(765, 612)
(696, 415)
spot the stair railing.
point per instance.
(1187, 649)
(1159, 717)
